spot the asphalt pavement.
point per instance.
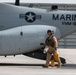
(23, 65)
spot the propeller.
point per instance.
(17, 2)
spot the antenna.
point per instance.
(54, 7)
(17, 2)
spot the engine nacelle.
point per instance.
(24, 39)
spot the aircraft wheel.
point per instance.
(63, 60)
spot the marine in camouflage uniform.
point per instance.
(52, 43)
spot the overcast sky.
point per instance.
(44, 1)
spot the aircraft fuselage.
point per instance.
(22, 29)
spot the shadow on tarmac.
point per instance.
(66, 66)
(16, 64)
(69, 66)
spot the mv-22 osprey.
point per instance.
(22, 29)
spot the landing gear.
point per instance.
(39, 54)
(63, 60)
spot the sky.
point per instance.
(43, 1)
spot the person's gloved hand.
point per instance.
(55, 48)
(41, 43)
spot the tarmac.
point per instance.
(23, 65)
